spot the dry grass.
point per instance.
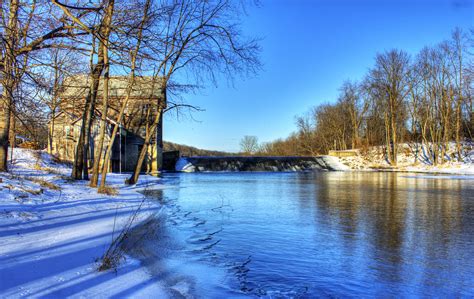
(33, 192)
(381, 167)
(110, 262)
(47, 169)
(56, 159)
(65, 177)
(37, 166)
(29, 145)
(36, 155)
(44, 183)
(21, 186)
(108, 190)
(115, 252)
(30, 191)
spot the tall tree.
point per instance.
(249, 144)
(199, 38)
(457, 53)
(390, 85)
(131, 82)
(29, 27)
(352, 100)
(102, 33)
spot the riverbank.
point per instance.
(54, 231)
(410, 160)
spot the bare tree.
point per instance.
(102, 33)
(199, 38)
(48, 76)
(131, 82)
(249, 144)
(307, 138)
(352, 100)
(390, 85)
(27, 27)
(457, 53)
(428, 101)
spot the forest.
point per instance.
(179, 46)
(424, 99)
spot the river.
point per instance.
(318, 234)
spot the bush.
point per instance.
(108, 190)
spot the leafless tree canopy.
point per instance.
(249, 145)
(181, 44)
(425, 100)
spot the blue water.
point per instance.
(329, 234)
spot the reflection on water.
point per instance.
(336, 234)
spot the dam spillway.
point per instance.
(254, 163)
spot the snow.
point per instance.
(334, 163)
(374, 159)
(52, 239)
(54, 231)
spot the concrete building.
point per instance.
(66, 124)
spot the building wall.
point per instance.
(63, 140)
(126, 149)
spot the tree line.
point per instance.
(180, 44)
(425, 100)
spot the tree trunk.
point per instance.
(108, 153)
(387, 138)
(12, 134)
(78, 164)
(51, 134)
(131, 82)
(80, 157)
(138, 167)
(4, 128)
(394, 141)
(103, 123)
(54, 104)
(458, 129)
(88, 115)
(8, 84)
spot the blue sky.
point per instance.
(309, 48)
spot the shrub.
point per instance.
(108, 190)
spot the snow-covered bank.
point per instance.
(53, 231)
(411, 159)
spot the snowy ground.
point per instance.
(54, 231)
(374, 159)
(51, 238)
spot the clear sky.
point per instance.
(309, 48)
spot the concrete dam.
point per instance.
(253, 163)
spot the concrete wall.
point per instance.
(198, 164)
(125, 152)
